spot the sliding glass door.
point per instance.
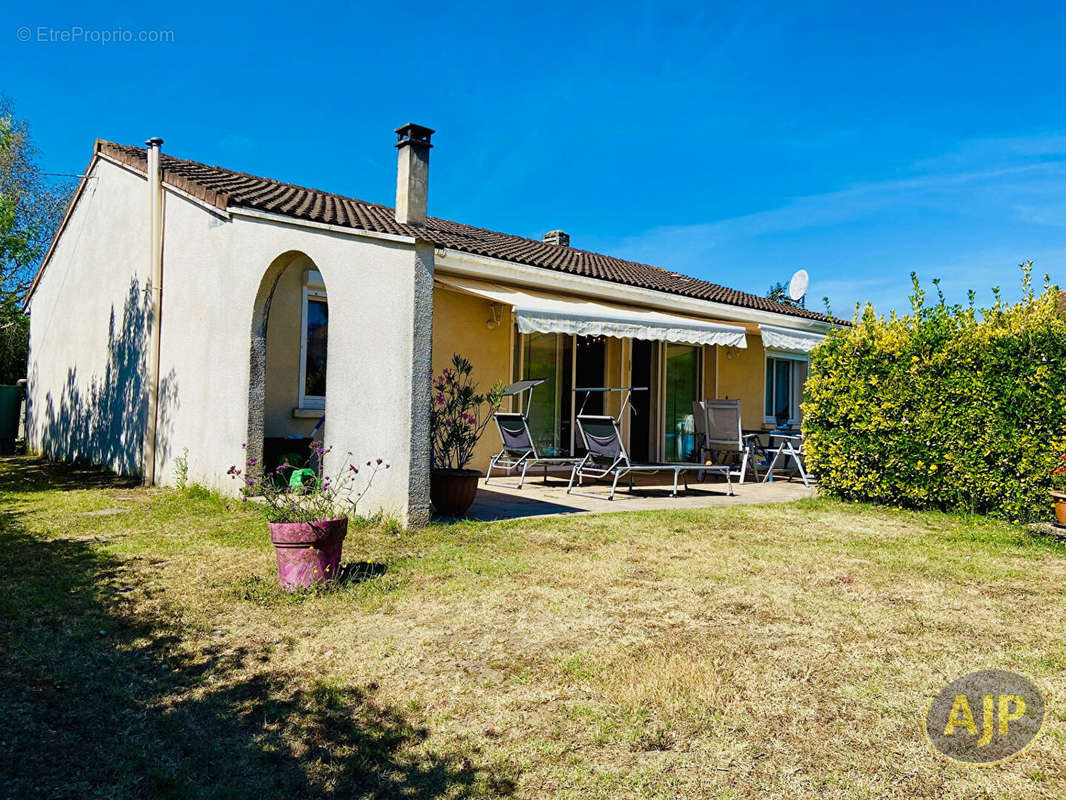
(664, 413)
(589, 372)
(560, 359)
(644, 373)
(682, 386)
(549, 355)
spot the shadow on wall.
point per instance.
(103, 422)
(104, 696)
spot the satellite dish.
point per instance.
(797, 287)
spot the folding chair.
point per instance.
(724, 439)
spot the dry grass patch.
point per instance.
(783, 651)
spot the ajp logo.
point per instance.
(985, 718)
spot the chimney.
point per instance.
(561, 238)
(412, 173)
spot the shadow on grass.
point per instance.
(96, 701)
(42, 475)
(359, 571)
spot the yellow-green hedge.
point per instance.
(947, 407)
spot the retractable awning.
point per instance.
(540, 312)
(789, 340)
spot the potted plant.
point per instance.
(1058, 490)
(307, 514)
(458, 417)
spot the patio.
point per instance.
(539, 499)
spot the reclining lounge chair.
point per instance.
(519, 451)
(607, 458)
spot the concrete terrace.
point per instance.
(539, 499)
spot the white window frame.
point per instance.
(797, 389)
(313, 287)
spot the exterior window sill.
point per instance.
(308, 413)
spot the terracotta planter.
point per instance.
(453, 490)
(308, 553)
(1059, 498)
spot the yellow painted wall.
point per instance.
(459, 327)
(741, 375)
(709, 355)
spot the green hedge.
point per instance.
(947, 407)
(14, 341)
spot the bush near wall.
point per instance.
(14, 341)
(947, 407)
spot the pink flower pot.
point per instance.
(308, 553)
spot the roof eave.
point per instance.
(489, 268)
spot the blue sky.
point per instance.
(736, 142)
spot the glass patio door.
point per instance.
(590, 368)
(549, 355)
(682, 386)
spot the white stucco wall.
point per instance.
(213, 269)
(87, 329)
(209, 286)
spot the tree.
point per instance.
(31, 208)
(778, 292)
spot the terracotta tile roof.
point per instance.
(225, 188)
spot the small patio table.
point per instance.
(790, 446)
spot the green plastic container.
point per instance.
(301, 478)
(10, 404)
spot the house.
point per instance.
(183, 309)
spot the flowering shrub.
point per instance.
(456, 421)
(313, 498)
(947, 407)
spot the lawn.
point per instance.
(756, 651)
